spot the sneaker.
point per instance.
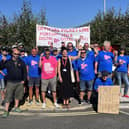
(5, 114)
(57, 105)
(88, 102)
(37, 101)
(44, 105)
(81, 102)
(30, 102)
(126, 96)
(17, 110)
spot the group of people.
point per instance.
(86, 67)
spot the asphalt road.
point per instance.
(67, 120)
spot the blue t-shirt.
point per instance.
(73, 53)
(33, 64)
(105, 61)
(4, 70)
(122, 67)
(24, 58)
(100, 82)
(86, 67)
(57, 57)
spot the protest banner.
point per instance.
(46, 35)
(108, 99)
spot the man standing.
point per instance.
(4, 54)
(104, 60)
(85, 70)
(48, 65)
(33, 75)
(16, 76)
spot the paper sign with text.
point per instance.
(45, 35)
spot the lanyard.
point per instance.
(64, 62)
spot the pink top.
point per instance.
(48, 67)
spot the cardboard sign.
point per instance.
(108, 99)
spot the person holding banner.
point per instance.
(66, 75)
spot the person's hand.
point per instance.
(2, 73)
(4, 58)
(22, 82)
(80, 47)
(41, 55)
(60, 79)
(116, 53)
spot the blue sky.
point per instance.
(64, 13)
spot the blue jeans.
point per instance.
(123, 76)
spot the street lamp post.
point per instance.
(104, 7)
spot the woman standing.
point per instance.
(122, 63)
(65, 76)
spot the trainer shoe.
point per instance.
(30, 102)
(17, 109)
(126, 96)
(5, 114)
(37, 101)
(57, 105)
(81, 102)
(44, 105)
(88, 102)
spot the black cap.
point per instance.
(4, 48)
(105, 73)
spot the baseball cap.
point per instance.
(105, 73)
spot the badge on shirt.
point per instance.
(64, 70)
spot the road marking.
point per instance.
(54, 114)
(126, 113)
(70, 114)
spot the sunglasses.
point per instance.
(47, 54)
(70, 46)
(83, 52)
(16, 54)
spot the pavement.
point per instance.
(74, 107)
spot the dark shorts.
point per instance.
(86, 85)
(34, 81)
(14, 89)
